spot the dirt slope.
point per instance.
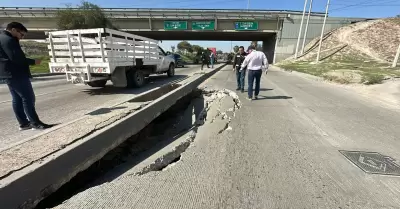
(357, 53)
(375, 40)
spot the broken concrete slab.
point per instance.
(222, 104)
(173, 156)
(164, 157)
(65, 160)
(22, 155)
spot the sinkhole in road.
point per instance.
(181, 119)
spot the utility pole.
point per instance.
(323, 29)
(306, 30)
(248, 4)
(396, 58)
(301, 28)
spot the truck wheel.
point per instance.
(171, 70)
(138, 78)
(135, 78)
(98, 83)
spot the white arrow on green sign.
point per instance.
(246, 25)
(203, 25)
(175, 25)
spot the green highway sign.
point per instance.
(175, 25)
(203, 25)
(249, 25)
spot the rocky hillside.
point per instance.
(376, 39)
(354, 51)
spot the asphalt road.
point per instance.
(58, 101)
(282, 152)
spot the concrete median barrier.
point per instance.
(44, 77)
(28, 175)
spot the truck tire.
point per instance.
(98, 83)
(171, 70)
(135, 78)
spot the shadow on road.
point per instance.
(273, 97)
(261, 89)
(105, 110)
(152, 82)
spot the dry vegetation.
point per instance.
(357, 53)
(37, 50)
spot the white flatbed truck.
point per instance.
(94, 56)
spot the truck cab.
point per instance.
(166, 60)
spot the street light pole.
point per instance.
(306, 30)
(323, 29)
(248, 4)
(301, 28)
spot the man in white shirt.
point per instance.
(255, 61)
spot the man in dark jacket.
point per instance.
(14, 70)
(240, 74)
(204, 60)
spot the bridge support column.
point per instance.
(268, 47)
(150, 24)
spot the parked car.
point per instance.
(178, 61)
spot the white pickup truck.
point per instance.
(94, 56)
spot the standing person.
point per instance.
(240, 74)
(204, 60)
(212, 57)
(14, 70)
(254, 61)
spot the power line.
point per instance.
(362, 4)
(188, 1)
(347, 1)
(369, 5)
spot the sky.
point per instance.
(339, 8)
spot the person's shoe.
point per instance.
(255, 97)
(25, 127)
(237, 89)
(40, 126)
(249, 98)
(242, 90)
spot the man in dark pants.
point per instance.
(254, 61)
(14, 70)
(240, 74)
(204, 60)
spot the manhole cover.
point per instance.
(373, 162)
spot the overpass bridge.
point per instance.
(276, 29)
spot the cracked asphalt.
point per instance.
(58, 102)
(281, 151)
